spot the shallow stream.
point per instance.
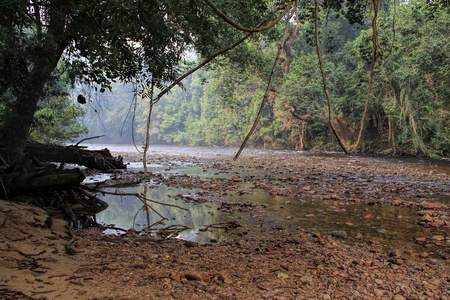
(391, 226)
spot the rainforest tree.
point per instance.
(97, 42)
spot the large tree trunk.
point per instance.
(15, 128)
(93, 159)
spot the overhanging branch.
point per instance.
(247, 29)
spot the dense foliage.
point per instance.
(98, 42)
(408, 107)
(144, 42)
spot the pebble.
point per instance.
(428, 205)
(326, 297)
(394, 252)
(269, 294)
(368, 217)
(378, 293)
(339, 234)
(398, 297)
(437, 262)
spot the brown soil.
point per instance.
(277, 264)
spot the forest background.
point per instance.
(407, 113)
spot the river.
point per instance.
(369, 198)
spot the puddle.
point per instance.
(129, 212)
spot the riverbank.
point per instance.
(279, 262)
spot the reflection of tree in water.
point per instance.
(129, 212)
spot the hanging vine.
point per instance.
(322, 71)
(266, 94)
(375, 5)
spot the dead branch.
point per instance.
(139, 196)
(89, 138)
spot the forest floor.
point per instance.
(275, 263)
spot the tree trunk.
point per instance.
(15, 128)
(26, 178)
(93, 159)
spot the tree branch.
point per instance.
(247, 29)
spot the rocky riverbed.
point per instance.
(273, 260)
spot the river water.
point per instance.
(392, 226)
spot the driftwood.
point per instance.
(93, 159)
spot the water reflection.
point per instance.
(130, 212)
(392, 226)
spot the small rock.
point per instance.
(437, 223)
(398, 297)
(235, 178)
(368, 217)
(269, 294)
(190, 244)
(306, 279)
(397, 202)
(394, 252)
(378, 293)
(199, 276)
(428, 205)
(310, 216)
(438, 237)
(424, 254)
(210, 289)
(437, 262)
(293, 240)
(289, 217)
(326, 297)
(175, 277)
(339, 234)
(224, 278)
(426, 218)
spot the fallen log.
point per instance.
(93, 159)
(25, 178)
